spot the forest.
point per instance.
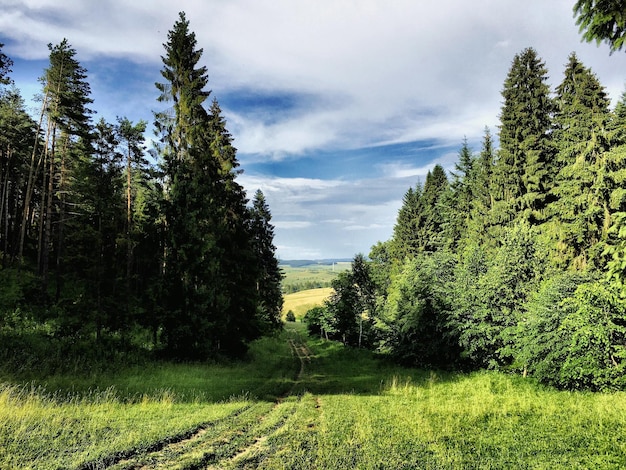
(515, 260)
(106, 245)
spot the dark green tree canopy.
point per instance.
(602, 20)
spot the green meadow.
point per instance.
(298, 402)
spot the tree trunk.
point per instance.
(31, 179)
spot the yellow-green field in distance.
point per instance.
(301, 302)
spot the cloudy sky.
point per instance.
(337, 107)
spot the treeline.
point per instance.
(304, 285)
(516, 259)
(101, 237)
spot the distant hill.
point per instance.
(298, 263)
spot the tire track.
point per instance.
(239, 439)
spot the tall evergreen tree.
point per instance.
(581, 207)
(480, 181)
(270, 274)
(524, 167)
(210, 273)
(457, 201)
(431, 201)
(5, 67)
(406, 241)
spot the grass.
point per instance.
(311, 276)
(301, 302)
(347, 409)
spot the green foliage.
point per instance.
(491, 295)
(541, 342)
(414, 323)
(290, 316)
(602, 20)
(524, 167)
(596, 325)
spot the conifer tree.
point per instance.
(431, 200)
(581, 209)
(210, 274)
(480, 181)
(406, 242)
(5, 67)
(456, 202)
(270, 275)
(524, 167)
(602, 20)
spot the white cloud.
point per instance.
(373, 73)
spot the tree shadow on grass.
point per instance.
(337, 369)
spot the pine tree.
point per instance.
(67, 95)
(270, 274)
(431, 201)
(210, 275)
(581, 213)
(524, 166)
(17, 134)
(5, 67)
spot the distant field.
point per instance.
(311, 276)
(301, 302)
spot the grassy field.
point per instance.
(311, 276)
(301, 404)
(300, 302)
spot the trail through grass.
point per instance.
(338, 408)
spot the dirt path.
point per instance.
(242, 440)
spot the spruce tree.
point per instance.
(210, 276)
(524, 167)
(405, 242)
(5, 67)
(581, 213)
(431, 201)
(270, 274)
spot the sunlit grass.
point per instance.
(42, 431)
(301, 302)
(349, 409)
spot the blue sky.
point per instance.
(336, 107)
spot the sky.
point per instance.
(336, 107)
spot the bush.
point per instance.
(291, 316)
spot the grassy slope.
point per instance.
(301, 302)
(346, 410)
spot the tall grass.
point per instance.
(67, 420)
(371, 415)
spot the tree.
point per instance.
(270, 274)
(456, 202)
(131, 135)
(524, 167)
(406, 240)
(431, 201)
(67, 95)
(343, 309)
(602, 20)
(414, 323)
(580, 207)
(480, 182)
(210, 272)
(5, 67)
(17, 134)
